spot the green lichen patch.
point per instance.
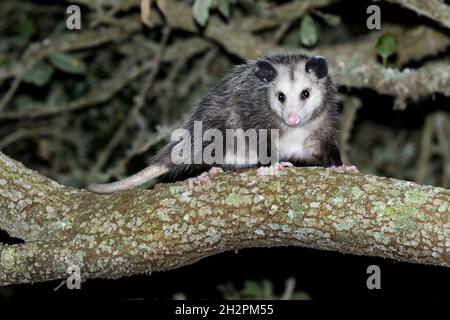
(380, 209)
(260, 232)
(292, 215)
(162, 214)
(345, 225)
(338, 200)
(233, 200)
(7, 259)
(444, 207)
(357, 193)
(314, 205)
(168, 202)
(296, 207)
(415, 196)
(176, 189)
(404, 221)
(186, 196)
(381, 237)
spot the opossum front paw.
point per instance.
(204, 178)
(344, 169)
(273, 169)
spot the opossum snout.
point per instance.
(292, 119)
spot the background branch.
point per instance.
(433, 9)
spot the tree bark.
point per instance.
(141, 231)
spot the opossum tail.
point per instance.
(135, 180)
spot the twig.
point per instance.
(10, 93)
(128, 71)
(24, 133)
(83, 40)
(441, 123)
(102, 93)
(138, 148)
(290, 286)
(348, 117)
(280, 32)
(139, 102)
(425, 149)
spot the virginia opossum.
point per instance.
(289, 92)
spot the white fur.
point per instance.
(292, 91)
(292, 144)
(297, 143)
(240, 158)
(246, 153)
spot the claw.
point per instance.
(204, 178)
(273, 169)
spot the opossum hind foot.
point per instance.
(204, 178)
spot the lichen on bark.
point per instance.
(141, 231)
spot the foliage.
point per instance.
(386, 47)
(259, 290)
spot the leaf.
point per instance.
(67, 63)
(26, 29)
(200, 10)
(252, 289)
(267, 289)
(23, 101)
(386, 46)
(56, 97)
(328, 18)
(39, 75)
(5, 60)
(309, 34)
(224, 8)
(179, 296)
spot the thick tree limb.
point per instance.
(151, 230)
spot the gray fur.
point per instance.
(242, 100)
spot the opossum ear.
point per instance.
(318, 65)
(265, 71)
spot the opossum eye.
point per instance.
(281, 97)
(305, 94)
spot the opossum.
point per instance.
(293, 93)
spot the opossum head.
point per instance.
(297, 86)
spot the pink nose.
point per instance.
(292, 119)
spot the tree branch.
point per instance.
(39, 51)
(128, 71)
(352, 65)
(433, 9)
(172, 225)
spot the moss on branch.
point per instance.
(141, 231)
